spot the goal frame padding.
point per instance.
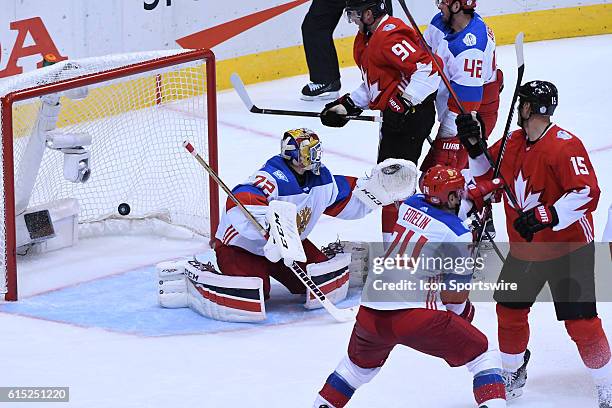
(90, 79)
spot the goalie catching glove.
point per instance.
(391, 180)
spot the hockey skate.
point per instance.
(313, 91)
(514, 381)
(604, 395)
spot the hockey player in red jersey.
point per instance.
(551, 233)
(399, 79)
(428, 224)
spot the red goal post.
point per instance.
(140, 107)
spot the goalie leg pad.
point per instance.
(226, 298)
(171, 285)
(332, 277)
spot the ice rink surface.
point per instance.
(89, 320)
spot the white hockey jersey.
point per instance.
(437, 244)
(323, 194)
(469, 64)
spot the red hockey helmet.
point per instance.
(439, 181)
(465, 4)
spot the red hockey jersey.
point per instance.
(392, 62)
(554, 171)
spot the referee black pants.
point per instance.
(317, 34)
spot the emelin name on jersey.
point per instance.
(417, 218)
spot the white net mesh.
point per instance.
(137, 124)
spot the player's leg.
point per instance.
(572, 284)
(235, 261)
(367, 352)
(512, 309)
(445, 335)
(317, 34)
(403, 138)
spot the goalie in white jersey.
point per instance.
(247, 259)
(426, 320)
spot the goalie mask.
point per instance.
(303, 148)
(440, 181)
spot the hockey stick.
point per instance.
(455, 98)
(340, 315)
(246, 99)
(520, 62)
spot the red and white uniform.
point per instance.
(239, 245)
(392, 62)
(553, 171)
(425, 326)
(422, 232)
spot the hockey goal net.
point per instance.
(88, 136)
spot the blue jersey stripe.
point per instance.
(457, 42)
(247, 188)
(468, 93)
(344, 188)
(450, 220)
(287, 184)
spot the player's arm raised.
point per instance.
(389, 181)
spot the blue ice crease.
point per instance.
(128, 303)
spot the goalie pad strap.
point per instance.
(171, 285)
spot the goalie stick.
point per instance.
(453, 94)
(246, 99)
(340, 315)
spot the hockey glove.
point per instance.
(534, 220)
(470, 130)
(398, 108)
(333, 115)
(482, 193)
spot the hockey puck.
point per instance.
(124, 209)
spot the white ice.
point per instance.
(285, 365)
